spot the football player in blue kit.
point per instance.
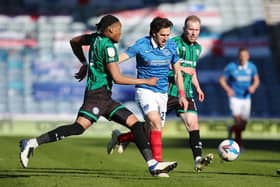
(154, 56)
(240, 80)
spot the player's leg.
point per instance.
(237, 129)
(241, 111)
(190, 119)
(84, 120)
(153, 105)
(124, 145)
(235, 107)
(27, 146)
(191, 122)
(120, 141)
(244, 116)
(126, 118)
(154, 120)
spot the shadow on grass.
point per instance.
(231, 173)
(72, 172)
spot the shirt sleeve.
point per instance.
(227, 70)
(111, 54)
(254, 70)
(200, 51)
(174, 51)
(132, 50)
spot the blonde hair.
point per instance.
(192, 18)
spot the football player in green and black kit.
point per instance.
(102, 71)
(189, 50)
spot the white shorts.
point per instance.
(240, 107)
(152, 101)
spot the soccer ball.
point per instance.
(228, 150)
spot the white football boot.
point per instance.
(161, 169)
(201, 162)
(26, 150)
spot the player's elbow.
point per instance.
(117, 79)
(221, 80)
(75, 42)
(177, 73)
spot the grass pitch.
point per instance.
(84, 162)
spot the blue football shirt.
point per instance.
(240, 78)
(152, 61)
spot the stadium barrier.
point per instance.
(32, 125)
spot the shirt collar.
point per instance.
(155, 45)
(245, 66)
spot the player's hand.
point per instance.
(183, 103)
(81, 74)
(151, 81)
(200, 95)
(188, 70)
(252, 89)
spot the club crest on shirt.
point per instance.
(177, 50)
(166, 52)
(95, 110)
(197, 52)
(248, 71)
(111, 52)
(146, 107)
(183, 49)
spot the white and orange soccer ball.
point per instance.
(228, 150)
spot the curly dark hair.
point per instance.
(105, 22)
(159, 23)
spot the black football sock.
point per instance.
(141, 140)
(60, 133)
(147, 129)
(195, 143)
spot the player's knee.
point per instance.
(154, 119)
(193, 128)
(124, 117)
(192, 125)
(131, 120)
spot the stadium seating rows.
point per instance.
(23, 69)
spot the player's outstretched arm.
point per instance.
(116, 75)
(123, 57)
(76, 46)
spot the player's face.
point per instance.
(243, 57)
(116, 31)
(162, 36)
(192, 30)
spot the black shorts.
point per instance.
(173, 104)
(99, 103)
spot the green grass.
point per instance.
(84, 162)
